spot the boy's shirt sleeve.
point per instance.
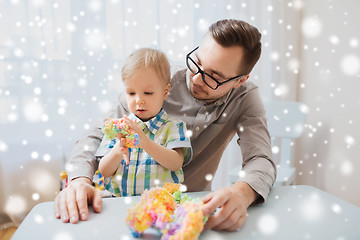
(177, 138)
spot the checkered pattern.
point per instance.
(144, 172)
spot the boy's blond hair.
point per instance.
(147, 58)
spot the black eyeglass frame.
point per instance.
(205, 73)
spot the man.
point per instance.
(215, 100)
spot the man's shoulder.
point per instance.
(178, 76)
(246, 94)
(245, 90)
(248, 86)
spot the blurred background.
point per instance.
(60, 64)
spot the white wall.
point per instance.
(328, 156)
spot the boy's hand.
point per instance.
(121, 148)
(133, 126)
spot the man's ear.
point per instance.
(242, 80)
(167, 91)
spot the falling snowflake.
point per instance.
(3, 146)
(268, 224)
(33, 111)
(71, 27)
(242, 174)
(125, 237)
(35, 196)
(209, 177)
(48, 132)
(62, 236)
(275, 149)
(346, 167)
(336, 208)
(94, 39)
(274, 56)
(350, 65)
(127, 200)
(38, 219)
(189, 133)
(293, 65)
(47, 157)
(334, 40)
(43, 180)
(349, 140)
(34, 155)
(281, 90)
(312, 209)
(311, 27)
(183, 188)
(354, 42)
(203, 25)
(15, 205)
(18, 53)
(156, 181)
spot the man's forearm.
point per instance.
(82, 161)
(259, 174)
(245, 189)
(80, 179)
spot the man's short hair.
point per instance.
(232, 32)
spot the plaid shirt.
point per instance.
(144, 172)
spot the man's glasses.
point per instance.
(209, 80)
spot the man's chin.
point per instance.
(197, 94)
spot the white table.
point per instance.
(293, 212)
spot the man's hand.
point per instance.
(71, 204)
(232, 203)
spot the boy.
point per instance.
(163, 146)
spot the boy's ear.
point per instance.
(167, 90)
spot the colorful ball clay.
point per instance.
(112, 129)
(175, 218)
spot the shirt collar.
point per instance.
(218, 102)
(152, 124)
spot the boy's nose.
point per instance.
(139, 100)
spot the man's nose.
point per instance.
(197, 79)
